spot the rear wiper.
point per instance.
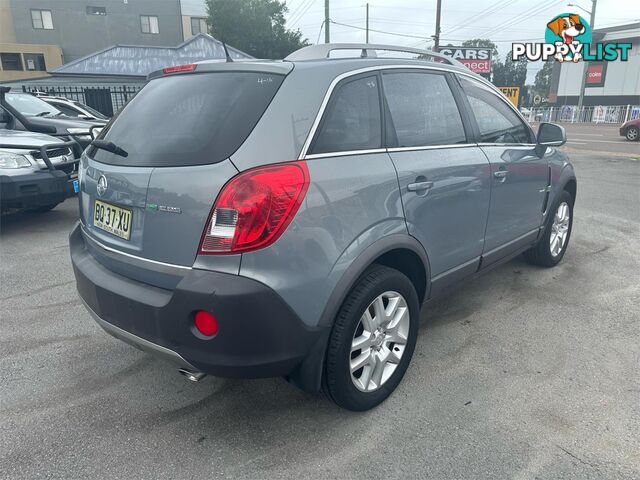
(110, 147)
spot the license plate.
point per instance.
(112, 219)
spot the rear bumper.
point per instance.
(259, 335)
(35, 189)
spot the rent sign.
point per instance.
(476, 59)
(512, 93)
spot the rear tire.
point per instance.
(633, 133)
(551, 247)
(376, 328)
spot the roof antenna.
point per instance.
(226, 52)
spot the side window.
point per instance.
(497, 122)
(423, 110)
(352, 119)
(68, 111)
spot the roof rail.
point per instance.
(367, 50)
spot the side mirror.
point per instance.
(549, 135)
(95, 131)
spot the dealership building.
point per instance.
(608, 83)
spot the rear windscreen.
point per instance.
(191, 119)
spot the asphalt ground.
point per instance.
(523, 373)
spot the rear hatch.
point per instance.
(178, 134)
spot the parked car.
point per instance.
(631, 130)
(23, 111)
(72, 108)
(37, 172)
(254, 219)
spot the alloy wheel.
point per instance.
(379, 341)
(559, 229)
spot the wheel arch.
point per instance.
(400, 251)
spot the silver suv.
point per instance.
(289, 218)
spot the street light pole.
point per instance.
(585, 67)
(367, 41)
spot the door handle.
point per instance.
(419, 186)
(501, 174)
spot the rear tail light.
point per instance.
(254, 208)
(180, 68)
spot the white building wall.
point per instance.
(621, 78)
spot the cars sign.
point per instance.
(476, 59)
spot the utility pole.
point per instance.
(367, 41)
(585, 68)
(436, 37)
(327, 22)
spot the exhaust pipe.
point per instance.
(192, 376)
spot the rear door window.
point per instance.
(496, 120)
(192, 119)
(352, 119)
(423, 110)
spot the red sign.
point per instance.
(477, 66)
(595, 75)
(476, 59)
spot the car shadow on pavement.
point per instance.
(22, 222)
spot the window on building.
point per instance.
(96, 10)
(41, 19)
(423, 110)
(34, 62)
(199, 25)
(352, 120)
(149, 24)
(11, 61)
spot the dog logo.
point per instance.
(101, 188)
(569, 32)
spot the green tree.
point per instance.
(543, 79)
(256, 27)
(510, 73)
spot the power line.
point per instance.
(381, 31)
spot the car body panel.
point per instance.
(449, 218)
(517, 199)
(340, 216)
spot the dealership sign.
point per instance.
(512, 93)
(476, 59)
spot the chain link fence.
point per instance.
(615, 114)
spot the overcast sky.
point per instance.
(502, 21)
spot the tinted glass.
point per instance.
(423, 110)
(68, 111)
(191, 119)
(497, 121)
(352, 120)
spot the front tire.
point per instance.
(633, 133)
(555, 239)
(372, 340)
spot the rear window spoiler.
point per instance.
(274, 67)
